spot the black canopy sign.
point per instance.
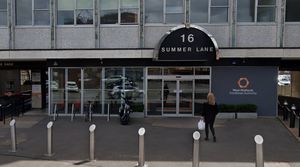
(186, 43)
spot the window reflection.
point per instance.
(83, 10)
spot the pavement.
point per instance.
(168, 142)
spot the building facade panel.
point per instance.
(119, 37)
(32, 38)
(256, 36)
(292, 35)
(75, 37)
(221, 33)
(4, 35)
(153, 34)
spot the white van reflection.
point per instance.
(72, 86)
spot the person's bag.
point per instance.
(201, 125)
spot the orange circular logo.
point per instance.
(243, 82)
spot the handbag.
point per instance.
(201, 125)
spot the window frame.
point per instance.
(33, 16)
(210, 6)
(74, 16)
(164, 8)
(119, 22)
(256, 6)
(3, 10)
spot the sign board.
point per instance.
(187, 43)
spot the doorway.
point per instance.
(177, 97)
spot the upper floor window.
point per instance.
(75, 12)
(3, 12)
(256, 10)
(292, 11)
(164, 11)
(119, 11)
(32, 12)
(209, 11)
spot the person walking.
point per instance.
(210, 110)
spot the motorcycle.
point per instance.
(125, 110)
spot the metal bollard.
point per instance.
(72, 114)
(49, 140)
(92, 142)
(285, 111)
(12, 125)
(259, 151)
(141, 162)
(54, 112)
(196, 136)
(90, 112)
(108, 113)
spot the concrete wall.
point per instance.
(249, 35)
(4, 38)
(119, 36)
(75, 37)
(32, 38)
(292, 35)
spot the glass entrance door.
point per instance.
(178, 97)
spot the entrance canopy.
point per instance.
(187, 43)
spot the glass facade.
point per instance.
(74, 91)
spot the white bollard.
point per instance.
(12, 125)
(259, 151)
(49, 140)
(196, 136)
(92, 142)
(141, 162)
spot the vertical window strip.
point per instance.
(4, 11)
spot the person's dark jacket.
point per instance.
(209, 112)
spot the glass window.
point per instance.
(24, 12)
(174, 11)
(199, 11)
(92, 89)
(109, 11)
(41, 12)
(218, 12)
(266, 14)
(154, 11)
(219, 2)
(129, 11)
(219, 15)
(292, 11)
(246, 11)
(36, 14)
(3, 12)
(82, 9)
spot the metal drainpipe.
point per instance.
(53, 24)
(141, 27)
(10, 7)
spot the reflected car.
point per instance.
(129, 90)
(284, 82)
(72, 86)
(54, 85)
